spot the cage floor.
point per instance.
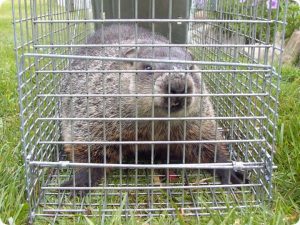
(143, 194)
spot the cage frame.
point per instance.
(28, 64)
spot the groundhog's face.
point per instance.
(173, 85)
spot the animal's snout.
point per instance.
(179, 88)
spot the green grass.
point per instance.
(14, 208)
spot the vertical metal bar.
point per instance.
(53, 67)
(152, 110)
(20, 67)
(35, 35)
(117, 7)
(136, 111)
(167, 172)
(101, 27)
(276, 95)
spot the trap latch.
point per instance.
(237, 165)
(64, 164)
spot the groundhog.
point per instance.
(145, 81)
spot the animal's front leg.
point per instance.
(217, 153)
(84, 176)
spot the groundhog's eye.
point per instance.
(147, 67)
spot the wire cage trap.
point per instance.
(170, 107)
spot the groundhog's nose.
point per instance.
(176, 87)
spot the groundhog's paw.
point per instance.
(74, 193)
(238, 177)
(81, 179)
(232, 177)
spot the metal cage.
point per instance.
(236, 46)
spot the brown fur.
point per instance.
(143, 83)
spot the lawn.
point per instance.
(285, 208)
(13, 206)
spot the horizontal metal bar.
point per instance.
(144, 60)
(150, 45)
(232, 165)
(150, 118)
(100, 194)
(159, 187)
(145, 214)
(157, 71)
(110, 213)
(157, 95)
(143, 209)
(154, 21)
(152, 142)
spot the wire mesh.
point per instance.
(79, 114)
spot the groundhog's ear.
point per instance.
(131, 53)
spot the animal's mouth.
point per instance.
(176, 104)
